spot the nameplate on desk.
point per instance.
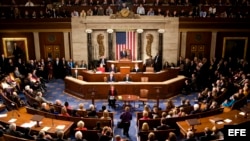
(3, 115)
(12, 120)
(46, 128)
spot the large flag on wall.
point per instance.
(125, 39)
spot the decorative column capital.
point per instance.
(110, 30)
(139, 30)
(89, 30)
(161, 30)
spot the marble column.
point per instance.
(110, 44)
(183, 44)
(139, 45)
(37, 45)
(160, 45)
(213, 44)
(90, 49)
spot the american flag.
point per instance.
(125, 39)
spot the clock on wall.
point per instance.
(51, 38)
(198, 37)
(125, 12)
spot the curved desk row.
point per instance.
(99, 90)
(161, 76)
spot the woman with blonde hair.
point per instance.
(171, 137)
(105, 115)
(145, 126)
(64, 112)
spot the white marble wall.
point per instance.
(150, 24)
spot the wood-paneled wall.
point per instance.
(51, 38)
(198, 38)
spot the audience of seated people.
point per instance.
(202, 9)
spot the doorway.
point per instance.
(52, 51)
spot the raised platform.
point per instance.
(84, 90)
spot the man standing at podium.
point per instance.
(123, 53)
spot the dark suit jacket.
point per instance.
(163, 127)
(112, 69)
(104, 60)
(157, 63)
(111, 79)
(127, 79)
(123, 54)
(138, 70)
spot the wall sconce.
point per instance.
(110, 30)
(89, 30)
(161, 30)
(139, 30)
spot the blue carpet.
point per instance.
(55, 90)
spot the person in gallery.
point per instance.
(112, 96)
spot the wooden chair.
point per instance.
(149, 69)
(13, 138)
(10, 105)
(32, 101)
(143, 96)
(105, 79)
(80, 77)
(144, 79)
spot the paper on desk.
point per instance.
(228, 120)
(60, 127)
(242, 113)
(12, 120)
(3, 115)
(220, 122)
(46, 128)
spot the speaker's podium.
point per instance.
(124, 69)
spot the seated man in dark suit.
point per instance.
(163, 125)
(123, 53)
(112, 68)
(111, 77)
(136, 68)
(127, 78)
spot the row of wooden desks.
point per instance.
(226, 118)
(23, 120)
(91, 76)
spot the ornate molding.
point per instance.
(125, 14)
